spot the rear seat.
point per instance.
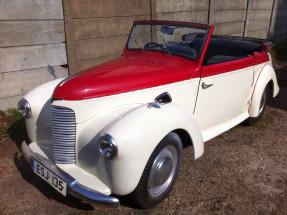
(230, 48)
(225, 49)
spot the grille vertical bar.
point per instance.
(63, 124)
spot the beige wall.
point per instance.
(252, 18)
(228, 16)
(32, 36)
(33, 32)
(97, 30)
(184, 10)
(259, 15)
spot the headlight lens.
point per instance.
(24, 108)
(107, 146)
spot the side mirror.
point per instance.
(163, 98)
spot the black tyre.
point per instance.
(263, 103)
(160, 172)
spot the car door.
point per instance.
(223, 95)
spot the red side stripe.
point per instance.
(220, 68)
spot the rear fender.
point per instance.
(266, 75)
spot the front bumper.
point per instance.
(74, 188)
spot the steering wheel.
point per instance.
(151, 44)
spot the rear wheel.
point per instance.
(160, 172)
(263, 102)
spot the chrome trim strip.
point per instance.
(74, 188)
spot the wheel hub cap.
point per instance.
(262, 102)
(162, 171)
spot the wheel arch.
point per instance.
(266, 78)
(146, 127)
(184, 137)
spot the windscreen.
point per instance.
(184, 41)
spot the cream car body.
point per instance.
(138, 124)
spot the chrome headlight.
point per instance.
(24, 108)
(107, 146)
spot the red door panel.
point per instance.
(229, 66)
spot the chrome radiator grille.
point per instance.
(63, 124)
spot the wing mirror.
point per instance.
(163, 98)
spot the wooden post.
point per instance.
(272, 19)
(245, 30)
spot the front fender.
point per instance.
(137, 133)
(266, 75)
(39, 100)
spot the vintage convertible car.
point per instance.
(120, 127)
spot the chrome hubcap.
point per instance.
(162, 171)
(262, 102)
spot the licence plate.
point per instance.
(48, 176)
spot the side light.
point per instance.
(107, 146)
(24, 108)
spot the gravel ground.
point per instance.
(243, 171)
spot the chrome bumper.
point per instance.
(74, 188)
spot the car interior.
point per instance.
(222, 49)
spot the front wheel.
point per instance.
(160, 172)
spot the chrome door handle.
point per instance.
(205, 86)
